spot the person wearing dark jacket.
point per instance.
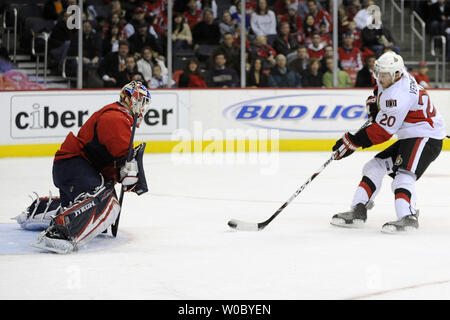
(256, 78)
(377, 40)
(281, 76)
(364, 78)
(142, 38)
(312, 77)
(113, 64)
(285, 43)
(221, 76)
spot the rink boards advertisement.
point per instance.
(35, 123)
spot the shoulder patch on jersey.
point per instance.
(399, 160)
(391, 103)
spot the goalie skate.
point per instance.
(406, 224)
(355, 218)
(53, 240)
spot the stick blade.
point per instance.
(242, 225)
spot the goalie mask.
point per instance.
(136, 97)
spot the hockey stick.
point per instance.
(250, 226)
(115, 226)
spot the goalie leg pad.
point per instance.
(90, 216)
(39, 214)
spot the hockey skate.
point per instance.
(354, 218)
(407, 223)
(55, 239)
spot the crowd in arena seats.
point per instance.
(436, 15)
(288, 42)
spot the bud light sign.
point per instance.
(315, 113)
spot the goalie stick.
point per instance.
(115, 226)
(251, 226)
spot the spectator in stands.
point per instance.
(59, 41)
(227, 25)
(363, 17)
(349, 56)
(281, 76)
(145, 64)
(130, 7)
(193, 14)
(263, 21)
(256, 77)
(421, 75)
(211, 4)
(343, 20)
(285, 43)
(116, 8)
(308, 29)
(136, 20)
(126, 75)
(192, 76)
(280, 8)
(52, 9)
(439, 14)
(113, 64)
(92, 51)
(261, 49)
(292, 17)
(324, 35)
(221, 76)
(182, 35)
(111, 41)
(357, 39)
(300, 63)
(153, 8)
(236, 15)
(142, 38)
(344, 80)
(328, 53)
(316, 49)
(365, 78)
(206, 31)
(231, 51)
(377, 40)
(312, 77)
(319, 15)
(159, 80)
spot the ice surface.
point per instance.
(174, 242)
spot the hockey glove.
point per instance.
(129, 175)
(344, 146)
(372, 107)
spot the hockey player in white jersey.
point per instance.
(402, 107)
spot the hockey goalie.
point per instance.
(402, 107)
(85, 170)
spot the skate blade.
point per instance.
(393, 230)
(42, 246)
(339, 222)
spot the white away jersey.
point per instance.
(407, 110)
